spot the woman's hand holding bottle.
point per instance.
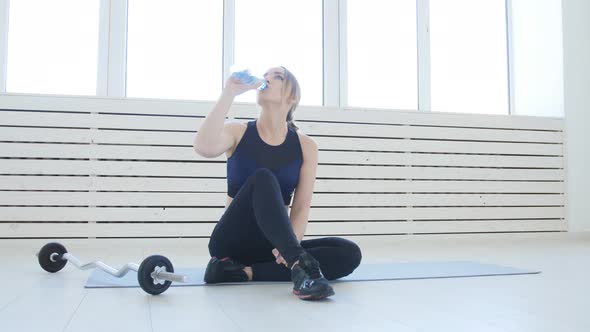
(235, 87)
(241, 80)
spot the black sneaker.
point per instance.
(224, 270)
(308, 281)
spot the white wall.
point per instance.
(576, 46)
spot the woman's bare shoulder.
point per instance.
(308, 144)
(236, 124)
(237, 128)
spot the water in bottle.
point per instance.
(246, 77)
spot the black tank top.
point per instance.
(252, 153)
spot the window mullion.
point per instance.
(229, 38)
(423, 44)
(102, 74)
(510, 53)
(331, 53)
(343, 52)
(4, 10)
(112, 53)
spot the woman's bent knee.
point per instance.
(354, 258)
(212, 248)
(353, 252)
(263, 174)
(351, 257)
(265, 178)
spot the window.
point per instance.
(53, 47)
(381, 54)
(537, 58)
(469, 67)
(272, 33)
(175, 49)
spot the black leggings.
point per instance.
(256, 222)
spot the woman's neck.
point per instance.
(272, 124)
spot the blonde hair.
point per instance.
(295, 92)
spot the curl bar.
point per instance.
(155, 274)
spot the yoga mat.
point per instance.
(365, 272)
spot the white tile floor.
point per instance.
(555, 300)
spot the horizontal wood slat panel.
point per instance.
(142, 168)
(247, 110)
(320, 186)
(54, 135)
(100, 167)
(162, 138)
(191, 124)
(57, 230)
(219, 199)
(82, 151)
(436, 226)
(319, 214)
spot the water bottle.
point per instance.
(246, 77)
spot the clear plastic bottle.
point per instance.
(244, 76)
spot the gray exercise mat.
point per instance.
(365, 272)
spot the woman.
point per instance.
(256, 239)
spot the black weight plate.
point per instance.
(45, 257)
(144, 274)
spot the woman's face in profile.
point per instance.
(275, 78)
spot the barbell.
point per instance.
(155, 274)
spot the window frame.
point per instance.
(112, 57)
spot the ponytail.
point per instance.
(295, 92)
(290, 122)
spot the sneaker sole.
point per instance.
(319, 296)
